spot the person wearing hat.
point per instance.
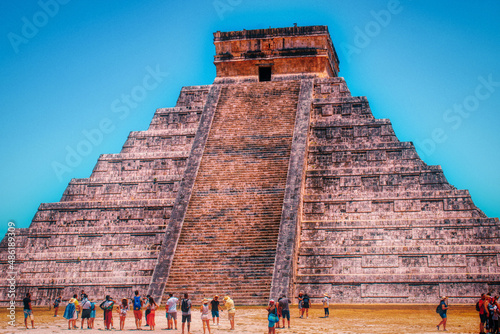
(214, 307)
(228, 304)
(272, 316)
(326, 305)
(205, 314)
(444, 306)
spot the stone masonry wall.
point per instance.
(105, 234)
(378, 224)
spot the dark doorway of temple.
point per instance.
(264, 73)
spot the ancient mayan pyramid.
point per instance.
(271, 180)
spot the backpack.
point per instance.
(185, 305)
(137, 303)
(439, 309)
(478, 308)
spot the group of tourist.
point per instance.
(489, 312)
(87, 308)
(488, 308)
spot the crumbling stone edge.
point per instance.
(174, 227)
(283, 274)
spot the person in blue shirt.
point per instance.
(444, 306)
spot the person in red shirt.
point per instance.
(483, 312)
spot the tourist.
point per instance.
(137, 306)
(326, 305)
(152, 306)
(272, 316)
(214, 307)
(172, 311)
(205, 315)
(123, 312)
(278, 306)
(443, 307)
(92, 315)
(491, 311)
(85, 305)
(487, 311)
(57, 301)
(285, 309)
(306, 303)
(496, 313)
(301, 299)
(186, 313)
(107, 307)
(28, 311)
(231, 311)
(482, 314)
(146, 313)
(70, 313)
(77, 307)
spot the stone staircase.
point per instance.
(105, 234)
(229, 234)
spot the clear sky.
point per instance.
(67, 67)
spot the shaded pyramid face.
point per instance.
(270, 181)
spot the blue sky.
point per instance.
(67, 68)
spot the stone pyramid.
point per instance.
(273, 179)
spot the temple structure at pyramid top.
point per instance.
(273, 53)
(272, 180)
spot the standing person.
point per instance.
(85, 305)
(151, 316)
(482, 314)
(92, 315)
(70, 313)
(186, 313)
(78, 302)
(146, 313)
(205, 315)
(496, 313)
(123, 312)
(280, 310)
(231, 311)
(28, 311)
(444, 307)
(491, 310)
(107, 306)
(57, 301)
(137, 305)
(326, 305)
(172, 311)
(487, 311)
(77, 308)
(301, 302)
(284, 304)
(272, 316)
(306, 303)
(214, 307)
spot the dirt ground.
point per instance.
(372, 318)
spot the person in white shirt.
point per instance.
(172, 311)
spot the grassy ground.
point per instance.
(372, 318)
